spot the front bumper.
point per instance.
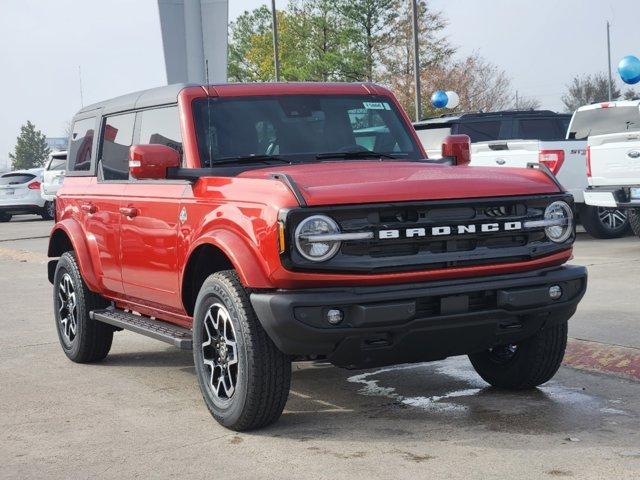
(418, 322)
(612, 197)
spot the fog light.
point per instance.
(555, 292)
(334, 316)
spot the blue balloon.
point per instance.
(439, 99)
(629, 69)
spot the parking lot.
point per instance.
(140, 413)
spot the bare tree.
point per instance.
(481, 85)
(587, 89)
(397, 57)
(526, 103)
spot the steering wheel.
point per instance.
(273, 145)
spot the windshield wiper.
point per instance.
(248, 159)
(356, 154)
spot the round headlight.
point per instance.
(309, 238)
(561, 215)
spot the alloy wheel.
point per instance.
(67, 309)
(504, 353)
(220, 352)
(51, 209)
(612, 218)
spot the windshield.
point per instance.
(300, 127)
(602, 121)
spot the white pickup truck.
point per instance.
(539, 137)
(613, 158)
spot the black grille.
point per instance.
(428, 250)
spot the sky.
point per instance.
(541, 44)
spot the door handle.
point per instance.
(129, 211)
(89, 208)
(501, 161)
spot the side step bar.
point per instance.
(163, 331)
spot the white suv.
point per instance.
(54, 172)
(20, 194)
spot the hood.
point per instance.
(354, 182)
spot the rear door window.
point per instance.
(117, 137)
(80, 145)
(16, 178)
(161, 126)
(483, 131)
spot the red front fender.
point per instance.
(244, 257)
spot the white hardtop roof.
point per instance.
(615, 104)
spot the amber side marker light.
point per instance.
(281, 242)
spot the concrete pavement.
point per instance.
(140, 414)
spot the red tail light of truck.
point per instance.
(553, 159)
(588, 161)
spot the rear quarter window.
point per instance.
(80, 145)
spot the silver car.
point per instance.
(20, 194)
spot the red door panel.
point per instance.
(95, 206)
(149, 239)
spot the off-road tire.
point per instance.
(535, 361)
(48, 214)
(593, 224)
(93, 339)
(5, 217)
(263, 372)
(634, 220)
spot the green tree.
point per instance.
(31, 150)
(364, 40)
(250, 47)
(587, 89)
(368, 26)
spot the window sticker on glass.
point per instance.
(373, 105)
(386, 106)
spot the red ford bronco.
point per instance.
(258, 224)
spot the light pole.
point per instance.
(609, 59)
(416, 59)
(276, 59)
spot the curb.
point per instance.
(604, 358)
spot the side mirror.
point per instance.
(150, 162)
(458, 148)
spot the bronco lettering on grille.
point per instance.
(451, 230)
